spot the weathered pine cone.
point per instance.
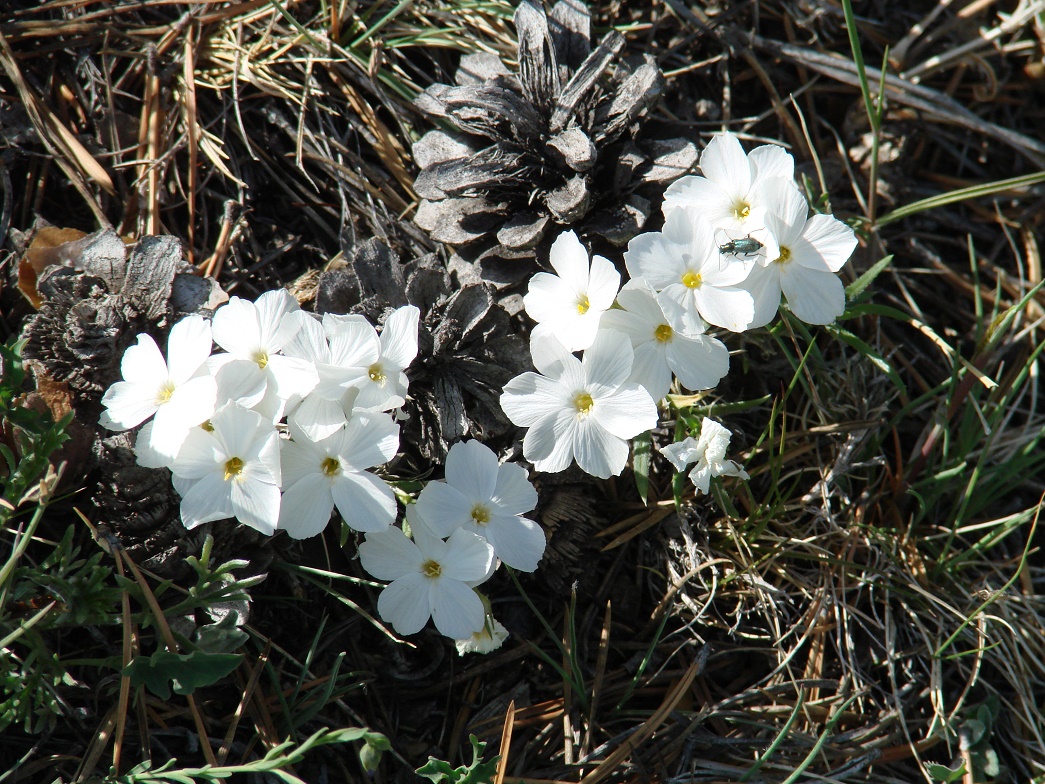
(555, 146)
(467, 349)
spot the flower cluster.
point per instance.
(734, 239)
(289, 417)
(284, 425)
(216, 420)
(460, 529)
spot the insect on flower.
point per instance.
(745, 246)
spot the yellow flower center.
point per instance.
(741, 210)
(692, 280)
(785, 255)
(376, 372)
(207, 426)
(480, 514)
(431, 569)
(664, 333)
(330, 466)
(164, 394)
(583, 304)
(261, 357)
(233, 468)
(583, 403)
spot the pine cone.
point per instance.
(553, 147)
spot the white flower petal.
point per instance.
(236, 328)
(833, 240)
(467, 557)
(299, 459)
(700, 476)
(236, 428)
(207, 500)
(405, 603)
(399, 337)
(256, 503)
(443, 508)
(310, 339)
(815, 297)
(513, 493)
(127, 404)
(145, 455)
(608, 362)
(306, 506)
(549, 443)
(471, 468)
(353, 343)
(639, 298)
(655, 258)
(272, 309)
(456, 609)
(266, 465)
(365, 501)
(597, 451)
(200, 454)
(548, 296)
(192, 402)
(730, 308)
(627, 412)
(517, 541)
(725, 163)
(239, 380)
(389, 554)
(369, 439)
(188, 347)
(550, 356)
(603, 284)
(143, 363)
(698, 363)
(167, 434)
(681, 453)
(638, 328)
(650, 368)
(772, 160)
(317, 418)
(292, 376)
(701, 194)
(529, 398)
(569, 258)
(763, 284)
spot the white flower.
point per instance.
(488, 499)
(489, 638)
(230, 470)
(584, 410)
(667, 340)
(570, 304)
(731, 194)
(684, 263)
(430, 579)
(253, 334)
(708, 452)
(319, 475)
(326, 409)
(168, 390)
(810, 253)
(355, 358)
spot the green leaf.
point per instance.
(945, 774)
(479, 772)
(641, 446)
(185, 671)
(858, 286)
